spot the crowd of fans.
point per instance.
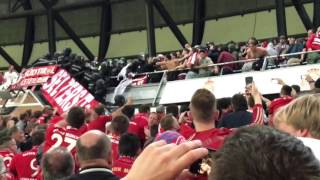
(190, 62)
(247, 137)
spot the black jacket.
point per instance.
(94, 174)
(236, 119)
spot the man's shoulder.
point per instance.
(235, 115)
(93, 175)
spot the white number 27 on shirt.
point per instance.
(59, 140)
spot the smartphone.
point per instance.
(203, 166)
(249, 80)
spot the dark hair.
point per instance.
(144, 108)
(57, 164)
(203, 104)
(129, 145)
(255, 41)
(119, 100)
(296, 88)
(37, 137)
(173, 109)
(76, 117)
(23, 116)
(28, 112)
(167, 122)
(128, 110)
(100, 150)
(264, 153)
(286, 90)
(239, 102)
(100, 109)
(37, 114)
(223, 103)
(120, 124)
(184, 108)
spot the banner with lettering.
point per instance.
(35, 76)
(64, 92)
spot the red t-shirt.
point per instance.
(25, 166)
(316, 42)
(114, 145)
(211, 139)
(99, 123)
(137, 126)
(276, 104)
(122, 166)
(225, 57)
(7, 157)
(310, 40)
(63, 137)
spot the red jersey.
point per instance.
(122, 166)
(316, 42)
(99, 123)
(137, 126)
(62, 137)
(309, 41)
(258, 115)
(211, 139)
(25, 166)
(7, 157)
(114, 145)
(276, 104)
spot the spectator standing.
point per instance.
(8, 147)
(240, 116)
(95, 157)
(254, 52)
(10, 77)
(285, 98)
(226, 57)
(25, 165)
(202, 108)
(119, 126)
(316, 41)
(66, 136)
(129, 149)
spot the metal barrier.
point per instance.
(266, 59)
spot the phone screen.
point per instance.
(249, 80)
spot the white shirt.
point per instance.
(313, 144)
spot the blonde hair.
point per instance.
(302, 113)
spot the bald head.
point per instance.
(93, 145)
